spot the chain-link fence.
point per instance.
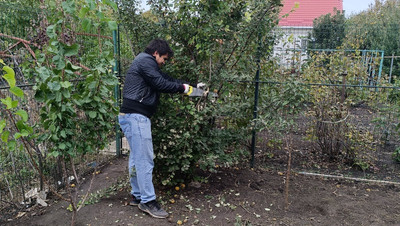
(22, 33)
(300, 40)
(348, 124)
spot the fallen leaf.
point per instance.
(21, 214)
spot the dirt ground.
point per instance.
(238, 196)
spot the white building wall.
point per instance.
(290, 51)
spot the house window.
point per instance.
(304, 43)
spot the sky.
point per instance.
(356, 6)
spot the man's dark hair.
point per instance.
(161, 46)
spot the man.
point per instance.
(143, 84)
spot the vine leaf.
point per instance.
(71, 50)
(112, 25)
(23, 114)
(112, 4)
(10, 103)
(2, 125)
(17, 91)
(4, 136)
(9, 76)
(55, 86)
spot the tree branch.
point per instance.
(19, 39)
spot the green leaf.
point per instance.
(44, 73)
(65, 84)
(86, 24)
(63, 134)
(3, 124)
(21, 125)
(5, 135)
(72, 67)
(12, 145)
(102, 110)
(23, 114)
(9, 76)
(55, 86)
(62, 146)
(113, 25)
(100, 15)
(54, 153)
(69, 7)
(92, 85)
(29, 129)
(58, 97)
(92, 114)
(66, 93)
(71, 50)
(17, 91)
(2, 62)
(59, 62)
(9, 102)
(17, 135)
(112, 4)
(51, 31)
(91, 4)
(83, 11)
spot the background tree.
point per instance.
(377, 29)
(328, 31)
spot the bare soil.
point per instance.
(235, 196)
(244, 196)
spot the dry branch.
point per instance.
(9, 48)
(19, 39)
(30, 50)
(8, 55)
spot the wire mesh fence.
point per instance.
(381, 37)
(22, 33)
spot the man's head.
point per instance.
(160, 50)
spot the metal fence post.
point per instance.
(116, 91)
(256, 92)
(391, 69)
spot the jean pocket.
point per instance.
(145, 128)
(125, 126)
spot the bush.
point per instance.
(214, 42)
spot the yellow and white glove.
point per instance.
(188, 89)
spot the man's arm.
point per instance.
(154, 77)
(169, 78)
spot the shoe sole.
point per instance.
(155, 216)
(133, 204)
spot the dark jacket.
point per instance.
(143, 84)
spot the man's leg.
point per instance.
(144, 163)
(126, 123)
(143, 156)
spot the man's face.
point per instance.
(160, 59)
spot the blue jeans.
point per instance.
(137, 130)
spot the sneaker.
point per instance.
(154, 209)
(134, 201)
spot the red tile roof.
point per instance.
(307, 11)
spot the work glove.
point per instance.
(201, 85)
(188, 89)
